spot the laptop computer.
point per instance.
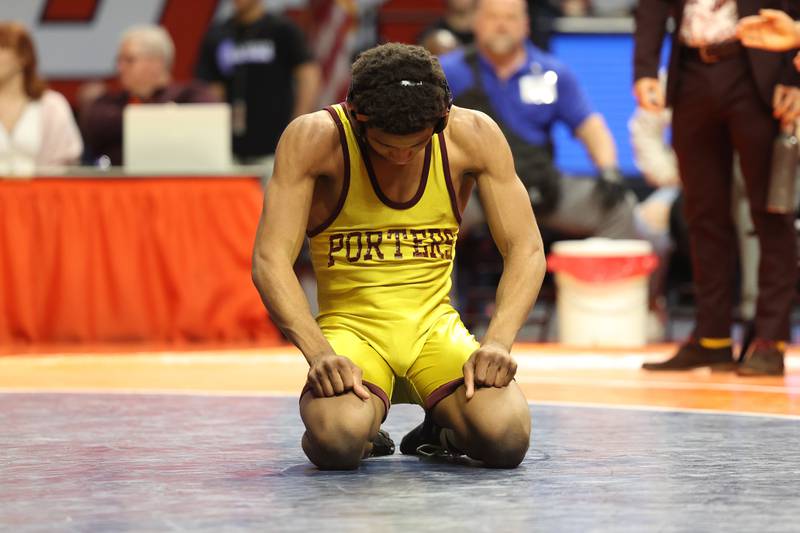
(177, 138)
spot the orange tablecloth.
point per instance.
(95, 260)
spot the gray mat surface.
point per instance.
(71, 462)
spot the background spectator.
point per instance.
(457, 20)
(721, 96)
(527, 91)
(144, 62)
(542, 15)
(37, 128)
(440, 42)
(661, 214)
(261, 64)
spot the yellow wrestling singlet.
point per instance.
(383, 273)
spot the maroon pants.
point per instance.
(716, 112)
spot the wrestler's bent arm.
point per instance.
(515, 232)
(281, 232)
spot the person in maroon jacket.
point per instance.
(144, 63)
(725, 98)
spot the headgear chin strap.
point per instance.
(440, 125)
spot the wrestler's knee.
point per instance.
(501, 435)
(503, 443)
(337, 432)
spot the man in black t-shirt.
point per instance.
(261, 63)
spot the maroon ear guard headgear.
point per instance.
(437, 128)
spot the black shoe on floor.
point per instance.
(428, 440)
(692, 355)
(747, 339)
(425, 433)
(382, 444)
(763, 358)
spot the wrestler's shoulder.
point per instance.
(317, 125)
(314, 133)
(470, 129)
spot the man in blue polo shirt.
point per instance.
(526, 91)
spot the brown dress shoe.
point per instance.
(692, 355)
(763, 358)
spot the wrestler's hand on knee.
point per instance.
(332, 375)
(489, 366)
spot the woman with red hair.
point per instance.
(37, 128)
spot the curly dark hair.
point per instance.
(386, 88)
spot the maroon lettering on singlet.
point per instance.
(449, 239)
(355, 235)
(356, 246)
(374, 245)
(396, 233)
(335, 244)
(434, 249)
(417, 236)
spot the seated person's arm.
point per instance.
(61, 139)
(596, 138)
(511, 220)
(574, 110)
